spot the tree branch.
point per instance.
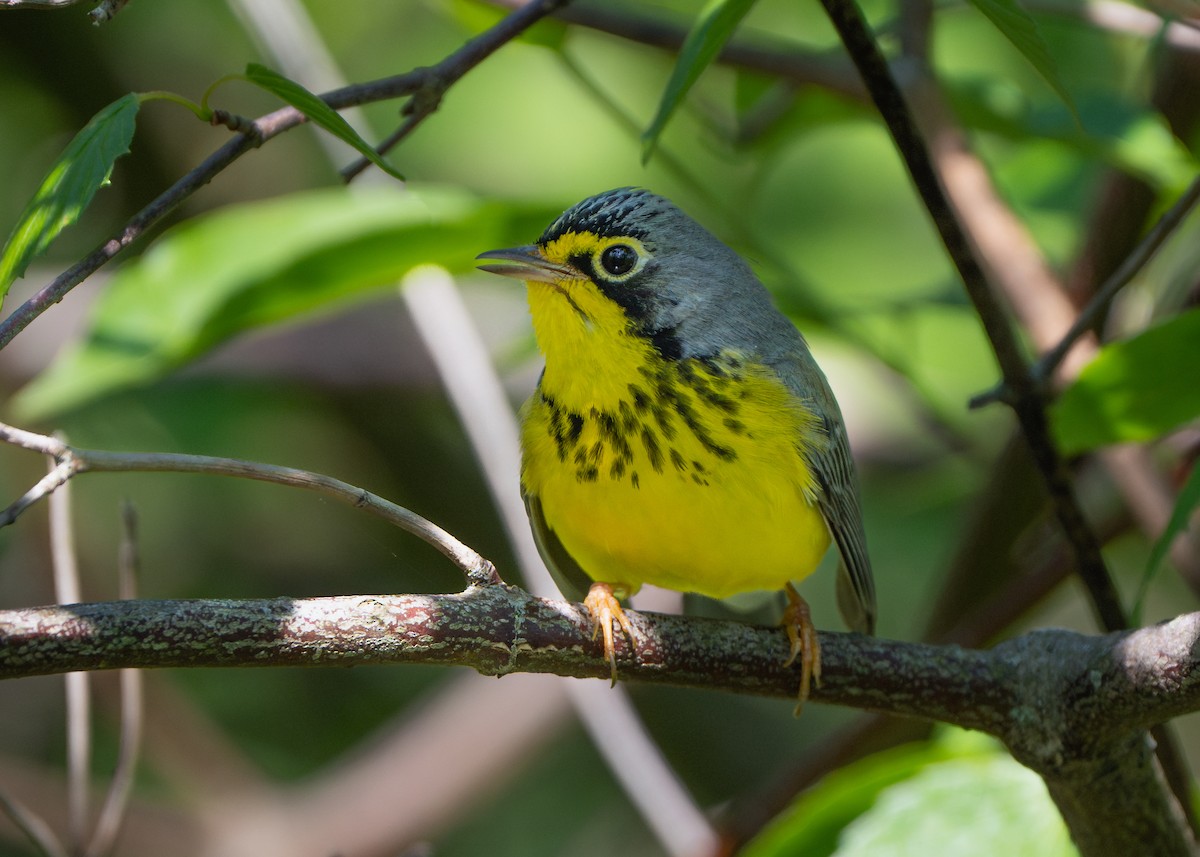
(1110, 683)
(1071, 706)
(1134, 262)
(769, 55)
(1024, 396)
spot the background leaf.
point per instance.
(1185, 504)
(1111, 129)
(83, 168)
(960, 794)
(713, 27)
(1135, 390)
(250, 266)
(318, 112)
(1016, 25)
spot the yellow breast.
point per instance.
(685, 474)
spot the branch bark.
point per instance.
(1073, 707)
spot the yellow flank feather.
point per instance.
(685, 474)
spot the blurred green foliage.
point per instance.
(959, 794)
(804, 182)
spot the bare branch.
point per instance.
(1127, 680)
(74, 460)
(1142, 253)
(1024, 395)
(112, 813)
(1067, 705)
(35, 828)
(439, 78)
(77, 684)
(772, 56)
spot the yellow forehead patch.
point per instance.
(571, 244)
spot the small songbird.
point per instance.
(681, 433)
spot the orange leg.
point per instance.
(604, 607)
(802, 634)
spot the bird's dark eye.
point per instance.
(618, 259)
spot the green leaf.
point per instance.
(1016, 25)
(812, 824)
(253, 265)
(712, 28)
(317, 111)
(1107, 128)
(968, 807)
(68, 188)
(1134, 390)
(1185, 505)
(959, 794)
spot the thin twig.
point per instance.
(116, 802)
(1124, 18)
(75, 460)
(1025, 399)
(762, 53)
(440, 77)
(1134, 262)
(35, 828)
(77, 684)
(1023, 391)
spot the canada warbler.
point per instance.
(681, 433)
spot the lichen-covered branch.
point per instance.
(1071, 706)
(1109, 683)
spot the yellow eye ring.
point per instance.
(619, 260)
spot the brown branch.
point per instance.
(1024, 396)
(440, 76)
(1141, 254)
(1115, 682)
(1021, 388)
(771, 56)
(1066, 704)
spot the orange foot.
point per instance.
(797, 621)
(604, 607)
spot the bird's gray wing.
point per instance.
(840, 504)
(838, 498)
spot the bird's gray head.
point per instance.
(678, 283)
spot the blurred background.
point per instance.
(795, 172)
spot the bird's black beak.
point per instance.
(526, 263)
